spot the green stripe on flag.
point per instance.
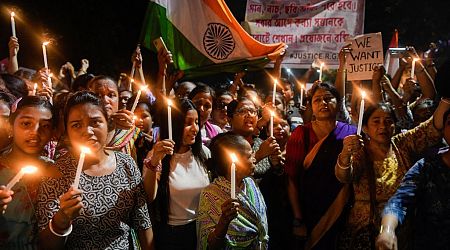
(185, 56)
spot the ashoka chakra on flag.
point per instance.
(218, 41)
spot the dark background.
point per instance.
(106, 32)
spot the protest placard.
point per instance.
(366, 53)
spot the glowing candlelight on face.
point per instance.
(169, 118)
(320, 71)
(138, 95)
(361, 112)
(275, 82)
(22, 172)
(83, 152)
(413, 67)
(34, 89)
(13, 24)
(233, 175)
(272, 114)
(44, 53)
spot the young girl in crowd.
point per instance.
(202, 96)
(6, 102)
(175, 174)
(223, 222)
(31, 128)
(143, 121)
(110, 199)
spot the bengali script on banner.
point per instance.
(311, 29)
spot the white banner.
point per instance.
(366, 53)
(312, 29)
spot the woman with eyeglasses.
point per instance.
(243, 117)
(219, 112)
(317, 197)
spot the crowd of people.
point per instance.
(302, 177)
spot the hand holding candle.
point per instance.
(233, 175)
(169, 118)
(22, 172)
(35, 86)
(361, 113)
(83, 152)
(320, 71)
(413, 67)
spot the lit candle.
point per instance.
(130, 88)
(271, 123)
(34, 89)
(49, 81)
(233, 175)
(320, 71)
(169, 117)
(288, 71)
(413, 67)
(83, 152)
(361, 112)
(13, 24)
(44, 52)
(137, 98)
(274, 91)
(22, 172)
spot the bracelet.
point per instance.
(148, 164)
(66, 232)
(387, 229)
(340, 166)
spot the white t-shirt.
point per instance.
(187, 178)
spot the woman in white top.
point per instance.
(175, 173)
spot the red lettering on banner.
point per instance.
(263, 22)
(283, 38)
(304, 22)
(256, 8)
(316, 38)
(330, 21)
(264, 38)
(341, 37)
(291, 9)
(273, 8)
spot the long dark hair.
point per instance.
(33, 101)
(83, 97)
(179, 111)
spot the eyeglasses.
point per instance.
(326, 98)
(246, 111)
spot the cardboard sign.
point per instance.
(366, 53)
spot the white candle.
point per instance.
(49, 81)
(274, 91)
(301, 94)
(361, 113)
(413, 67)
(22, 172)
(138, 96)
(388, 61)
(130, 88)
(233, 175)
(83, 152)
(13, 24)
(34, 89)
(320, 71)
(169, 118)
(44, 53)
(271, 123)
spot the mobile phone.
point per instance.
(159, 44)
(397, 50)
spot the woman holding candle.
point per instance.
(31, 126)
(175, 174)
(311, 153)
(225, 223)
(378, 167)
(110, 198)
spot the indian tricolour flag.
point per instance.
(204, 37)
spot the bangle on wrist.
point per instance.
(64, 234)
(347, 166)
(387, 229)
(148, 164)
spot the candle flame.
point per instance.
(45, 43)
(272, 113)
(50, 75)
(13, 14)
(363, 94)
(29, 169)
(169, 102)
(132, 80)
(233, 157)
(322, 64)
(416, 59)
(85, 150)
(302, 86)
(35, 85)
(288, 70)
(143, 87)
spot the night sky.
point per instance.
(106, 32)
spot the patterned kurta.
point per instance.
(407, 148)
(248, 230)
(113, 204)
